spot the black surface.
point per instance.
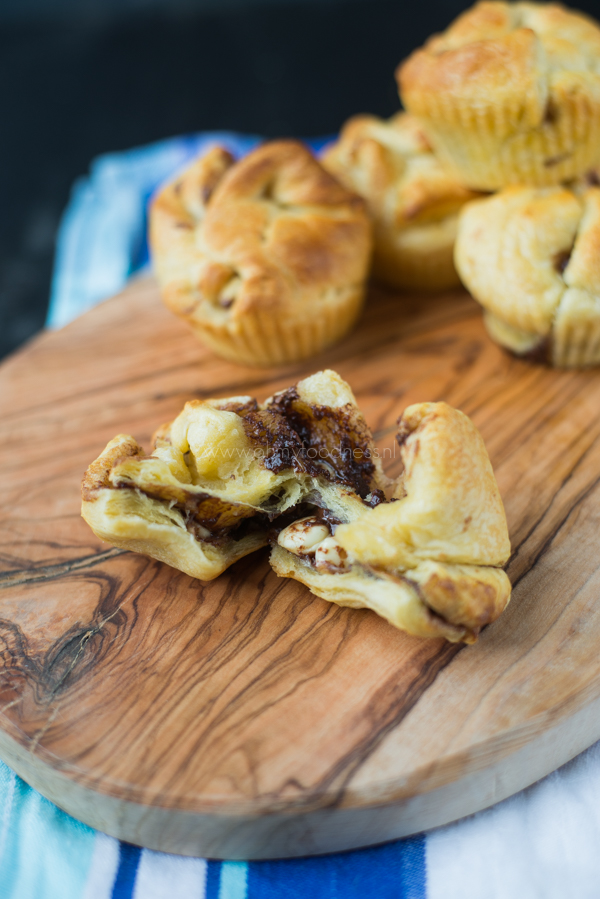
(73, 91)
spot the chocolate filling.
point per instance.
(245, 528)
(309, 439)
(333, 445)
(328, 518)
(404, 432)
(592, 178)
(216, 515)
(279, 443)
(561, 260)
(539, 354)
(374, 498)
(556, 160)
(550, 112)
(241, 409)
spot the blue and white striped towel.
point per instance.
(541, 844)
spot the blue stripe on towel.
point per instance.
(213, 879)
(129, 859)
(393, 871)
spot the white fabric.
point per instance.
(543, 843)
(103, 868)
(162, 876)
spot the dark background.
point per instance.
(83, 77)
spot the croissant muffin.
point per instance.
(412, 199)
(266, 258)
(223, 472)
(531, 257)
(510, 93)
(429, 562)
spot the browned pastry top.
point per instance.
(272, 231)
(507, 48)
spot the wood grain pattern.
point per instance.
(245, 718)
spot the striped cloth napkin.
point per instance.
(541, 844)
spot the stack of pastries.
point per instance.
(267, 258)
(509, 97)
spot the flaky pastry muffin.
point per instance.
(266, 258)
(510, 93)
(531, 257)
(223, 473)
(412, 199)
(429, 561)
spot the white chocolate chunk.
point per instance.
(215, 437)
(200, 532)
(330, 554)
(303, 536)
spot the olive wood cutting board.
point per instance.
(245, 718)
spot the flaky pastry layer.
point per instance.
(224, 471)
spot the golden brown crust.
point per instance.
(430, 562)
(531, 256)
(97, 475)
(266, 259)
(224, 469)
(412, 200)
(448, 506)
(510, 93)
(148, 504)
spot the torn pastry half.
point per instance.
(225, 473)
(430, 561)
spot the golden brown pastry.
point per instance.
(265, 258)
(531, 257)
(224, 471)
(429, 562)
(510, 93)
(301, 471)
(412, 200)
